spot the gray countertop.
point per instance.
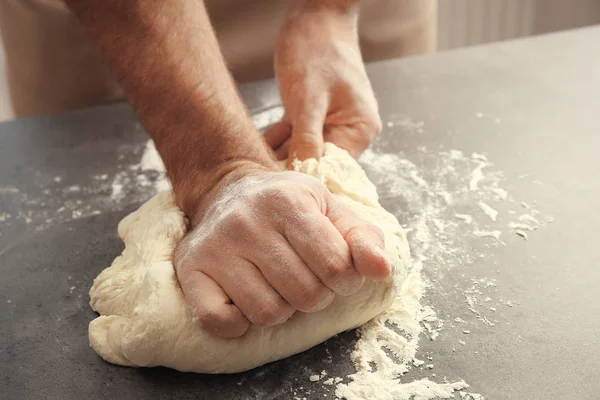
(530, 308)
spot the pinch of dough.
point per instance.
(143, 317)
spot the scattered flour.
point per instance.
(530, 219)
(501, 193)
(465, 217)
(521, 226)
(476, 176)
(431, 202)
(492, 234)
(151, 160)
(149, 173)
(488, 210)
(470, 396)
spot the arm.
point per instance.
(167, 59)
(252, 226)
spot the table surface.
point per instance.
(531, 106)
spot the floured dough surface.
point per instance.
(143, 317)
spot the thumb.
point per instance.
(366, 241)
(277, 134)
(307, 131)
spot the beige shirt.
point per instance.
(52, 66)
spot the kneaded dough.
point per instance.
(143, 317)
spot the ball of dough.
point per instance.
(144, 320)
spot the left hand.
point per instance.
(323, 83)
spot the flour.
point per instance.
(521, 226)
(470, 396)
(151, 160)
(488, 210)
(379, 335)
(530, 219)
(501, 193)
(431, 203)
(405, 122)
(492, 234)
(117, 187)
(476, 176)
(465, 217)
(149, 174)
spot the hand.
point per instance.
(272, 243)
(323, 84)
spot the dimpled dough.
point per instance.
(143, 318)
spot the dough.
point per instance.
(143, 317)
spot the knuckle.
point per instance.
(270, 314)
(240, 221)
(335, 268)
(313, 297)
(208, 317)
(283, 198)
(341, 277)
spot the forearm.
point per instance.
(167, 59)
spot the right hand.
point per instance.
(272, 243)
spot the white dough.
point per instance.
(143, 317)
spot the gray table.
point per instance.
(532, 106)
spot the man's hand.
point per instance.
(324, 87)
(271, 243)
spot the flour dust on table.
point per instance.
(144, 320)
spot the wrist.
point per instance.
(196, 192)
(209, 143)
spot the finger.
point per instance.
(277, 134)
(350, 138)
(307, 130)
(252, 294)
(368, 255)
(365, 240)
(211, 305)
(282, 152)
(324, 251)
(285, 271)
